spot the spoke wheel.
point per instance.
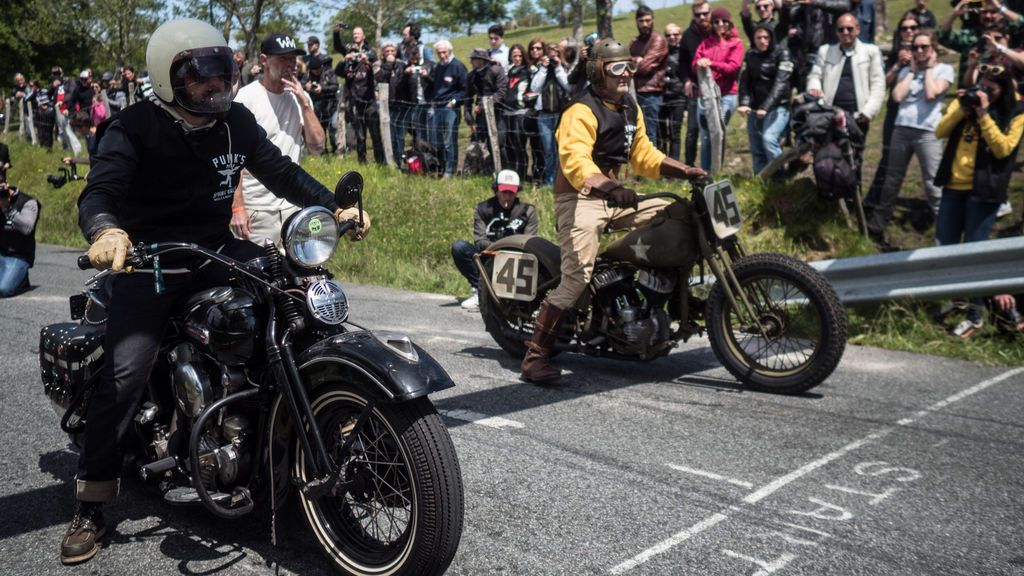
(403, 512)
(792, 335)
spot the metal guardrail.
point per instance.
(972, 269)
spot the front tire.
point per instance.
(803, 323)
(404, 517)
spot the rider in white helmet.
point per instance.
(165, 171)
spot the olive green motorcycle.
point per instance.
(773, 321)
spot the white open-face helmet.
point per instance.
(190, 65)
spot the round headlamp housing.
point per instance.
(310, 236)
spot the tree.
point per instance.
(554, 11)
(604, 18)
(576, 7)
(453, 14)
(250, 20)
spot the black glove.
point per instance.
(623, 198)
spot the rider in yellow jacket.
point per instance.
(602, 130)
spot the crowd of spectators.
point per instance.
(814, 49)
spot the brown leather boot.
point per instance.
(536, 365)
(81, 541)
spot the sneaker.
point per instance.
(81, 541)
(965, 329)
(472, 303)
(1005, 209)
(950, 308)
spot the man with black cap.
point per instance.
(17, 238)
(321, 83)
(286, 112)
(313, 49)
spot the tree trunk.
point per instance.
(379, 21)
(604, 18)
(882, 18)
(562, 23)
(577, 19)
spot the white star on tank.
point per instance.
(640, 249)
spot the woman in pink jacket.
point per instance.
(721, 53)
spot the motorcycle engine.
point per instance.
(634, 310)
(223, 442)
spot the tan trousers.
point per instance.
(581, 220)
(267, 224)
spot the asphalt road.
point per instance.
(898, 464)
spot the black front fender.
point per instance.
(400, 369)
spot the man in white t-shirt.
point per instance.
(285, 111)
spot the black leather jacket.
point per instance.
(673, 78)
(765, 82)
(160, 184)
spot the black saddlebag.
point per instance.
(70, 358)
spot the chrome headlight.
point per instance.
(311, 236)
(327, 302)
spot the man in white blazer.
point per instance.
(849, 74)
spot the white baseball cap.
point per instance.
(508, 181)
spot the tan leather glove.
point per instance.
(353, 214)
(109, 249)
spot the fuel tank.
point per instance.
(668, 240)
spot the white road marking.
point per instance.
(24, 298)
(782, 481)
(711, 475)
(482, 419)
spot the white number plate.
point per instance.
(514, 276)
(723, 208)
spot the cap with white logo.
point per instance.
(507, 181)
(280, 44)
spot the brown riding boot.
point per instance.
(536, 365)
(81, 541)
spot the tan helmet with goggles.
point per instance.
(608, 51)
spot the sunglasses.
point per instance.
(620, 68)
(998, 37)
(702, 14)
(993, 70)
(764, 6)
(536, 47)
(907, 28)
(673, 35)
(921, 47)
(842, 29)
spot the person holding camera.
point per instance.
(994, 15)
(286, 113)
(551, 84)
(501, 215)
(18, 238)
(412, 101)
(918, 92)
(983, 127)
(360, 90)
(321, 84)
(411, 43)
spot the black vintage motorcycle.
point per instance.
(773, 321)
(262, 395)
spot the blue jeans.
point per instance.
(764, 134)
(462, 254)
(963, 219)
(445, 137)
(546, 124)
(13, 271)
(728, 106)
(650, 104)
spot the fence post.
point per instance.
(7, 115)
(341, 136)
(384, 97)
(712, 99)
(32, 127)
(492, 132)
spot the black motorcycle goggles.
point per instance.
(203, 79)
(620, 68)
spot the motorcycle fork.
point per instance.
(721, 267)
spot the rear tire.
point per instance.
(405, 516)
(805, 321)
(499, 326)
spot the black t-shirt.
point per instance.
(846, 95)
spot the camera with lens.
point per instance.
(971, 98)
(341, 26)
(68, 174)
(590, 39)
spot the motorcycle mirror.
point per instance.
(349, 190)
